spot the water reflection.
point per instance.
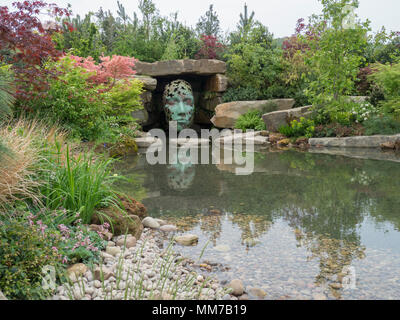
(324, 200)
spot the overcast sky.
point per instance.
(279, 16)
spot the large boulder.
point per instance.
(217, 83)
(275, 120)
(204, 67)
(226, 114)
(149, 83)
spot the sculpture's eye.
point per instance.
(189, 102)
(171, 102)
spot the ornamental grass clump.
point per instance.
(17, 175)
(80, 184)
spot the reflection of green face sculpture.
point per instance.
(180, 175)
(178, 103)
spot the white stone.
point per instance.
(150, 222)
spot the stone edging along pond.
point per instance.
(355, 142)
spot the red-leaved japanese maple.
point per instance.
(210, 48)
(109, 70)
(25, 44)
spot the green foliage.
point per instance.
(72, 101)
(240, 94)
(251, 120)
(344, 112)
(84, 40)
(382, 124)
(6, 91)
(251, 65)
(24, 251)
(383, 47)
(387, 78)
(303, 128)
(209, 23)
(123, 99)
(335, 53)
(79, 184)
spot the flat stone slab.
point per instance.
(147, 142)
(233, 139)
(226, 114)
(354, 142)
(203, 67)
(189, 142)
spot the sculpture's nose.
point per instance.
(181, 110)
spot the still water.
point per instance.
(303, 225)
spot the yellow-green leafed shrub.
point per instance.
(387, 78)
(24, 252)
(123, 99)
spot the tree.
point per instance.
(209, 23)
(244, 26)
(335, 54)
(25, 44)
(211, 48)
(246, 21)
(148, 8)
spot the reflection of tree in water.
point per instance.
(325, 216)
(335, 255)
(211, 225)
(252, 227)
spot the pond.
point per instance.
(303, 225)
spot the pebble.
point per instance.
(122, 271)
(113, 251)
(150, 222)
(237, 287)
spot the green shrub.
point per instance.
(382, 124)
(302, 128)
(24, 251)
(74, 242)
(123, 99)
(79, 184)
(338, 130)
(6, 91)
(72, 101)
(387, 78)
(251, 120)
(240, 94)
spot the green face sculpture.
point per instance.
(178, 103)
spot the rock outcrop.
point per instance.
(202, 67)
(275, 120)
(226, 114)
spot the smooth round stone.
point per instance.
(130, 242)
(151, 223)
(114, 251)
(237, 287)
(187, 239)
(78, 270)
